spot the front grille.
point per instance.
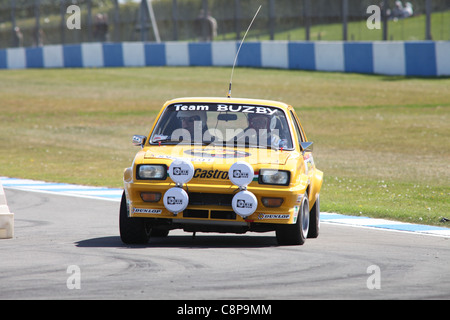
(207, 214)
(230, 215)
(209, 199)
(192, 213)
(205, 199)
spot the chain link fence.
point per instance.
(30, 23)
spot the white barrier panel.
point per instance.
(177, 54)
(274, 54)
(443, 58)
(329, 56)
(223, 53)
(133, 54)
(6, 217)
(92, 55)
(53, 56)
(389, 58)
(16, 58)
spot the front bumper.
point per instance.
(211, 204)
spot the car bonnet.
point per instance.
(218, 155)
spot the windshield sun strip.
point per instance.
(174, 142)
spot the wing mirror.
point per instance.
(306, 146)
(139, 140)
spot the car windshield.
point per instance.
(223, 124)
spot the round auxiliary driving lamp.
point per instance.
(244, 202)
(176, 199)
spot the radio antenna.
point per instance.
(239, 49)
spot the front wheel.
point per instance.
(295, 234)
(132, 230)
(314, 224)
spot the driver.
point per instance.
(261, 129)
(194, 122)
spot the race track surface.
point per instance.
(69, 248)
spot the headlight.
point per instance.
(271, 176)
(152, 172)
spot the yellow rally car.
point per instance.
(222, 165)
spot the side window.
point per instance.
(297, 128)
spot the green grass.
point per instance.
(382, 142)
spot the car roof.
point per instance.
(229, 100)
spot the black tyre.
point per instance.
(161, 233)
(295, 234)
(132, 230)
(314, 222)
